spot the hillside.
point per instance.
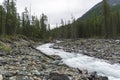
(97, 9)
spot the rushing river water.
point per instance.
(84, 62)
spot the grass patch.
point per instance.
(5, 47)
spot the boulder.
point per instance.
(57, 76)
(1, 77)
(103, 78)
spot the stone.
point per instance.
(36, 72)
(103, 78)
(56, 62)
(2, 54)
(36, 78)
(12, 78)
(3, 62)
(1, 77)
(10, 74)
(57, 76)
(23, 78)
(56, 57)
(85, 78)
(93, 74)
(22, 73)
(85, 72)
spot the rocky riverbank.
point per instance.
(19, 60)
(100, 48)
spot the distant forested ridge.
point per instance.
(104, 24)
(102, 21)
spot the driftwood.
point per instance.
(41, 52)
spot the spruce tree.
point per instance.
(43, 26)
(106, 30)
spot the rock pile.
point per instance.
(100, 48)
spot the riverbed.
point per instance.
(104, 68)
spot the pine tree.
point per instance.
(106, 30)
(2, 21)
(43, 26)
(11, 16)
(73, 28)
(1, 14)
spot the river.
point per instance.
(112, 71)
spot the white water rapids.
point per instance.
(112, 71)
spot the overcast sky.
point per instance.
(56, 9)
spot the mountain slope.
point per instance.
(97, 9)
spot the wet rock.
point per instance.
(85, 72)
(57, 76)
(103, 78)
(94, 74)
(56, 62)
(56, 57)
(55, 47)
(80, 71)
(85, 78)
